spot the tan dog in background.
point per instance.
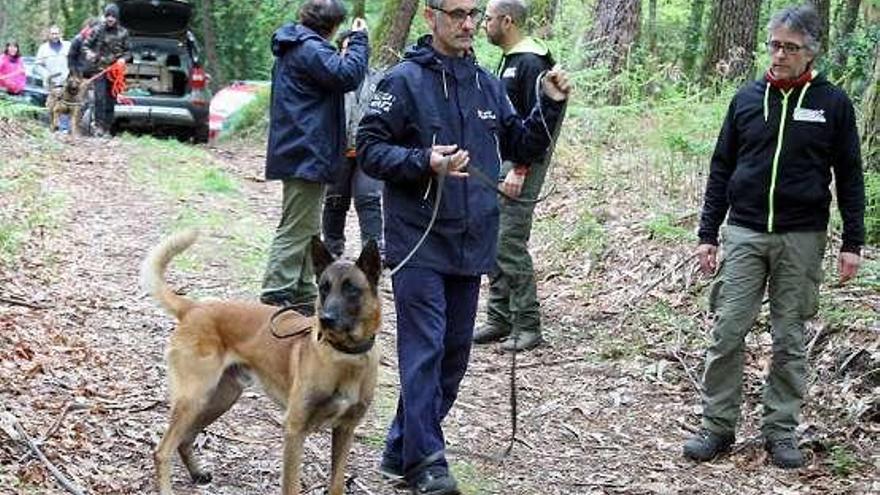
(67, 99)
(326, 377)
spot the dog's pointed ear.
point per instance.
(370, 262)
(321, 257)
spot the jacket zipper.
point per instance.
(775, 170)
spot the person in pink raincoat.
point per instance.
(12, 77)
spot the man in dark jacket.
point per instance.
(351, 181)
(307, 138)
(76, 58)
(434, 114)
(512, 309)
(106, 45)
(782, 139)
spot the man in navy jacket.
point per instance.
(307, 138)
(434, 120)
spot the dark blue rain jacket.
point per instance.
(307, 117)
(432, 99)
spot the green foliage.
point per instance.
(246, 53)
(843, 462)
(665, 228)
(856, 74)
(872, 208)
(187, 176)
(253, 119)
(25, 205)
(12, 107)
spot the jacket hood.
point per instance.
(290, 35)
(529, 45)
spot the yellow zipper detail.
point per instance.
(776, 158)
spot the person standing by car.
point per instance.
(12, 75)
(52, 58)
(783, 140)
(351, 180)
(307, 138)
(77, 62)
(106, 46)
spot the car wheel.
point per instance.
(200, 134)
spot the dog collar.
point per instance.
(359, 348)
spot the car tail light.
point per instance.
(198, 79)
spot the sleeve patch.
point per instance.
(381, 102)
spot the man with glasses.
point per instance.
(436, 131)
(783, 139)
(512, 311)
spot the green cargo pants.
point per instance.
(513, 293)
(290, 275)
(789, 266)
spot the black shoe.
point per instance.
(784, 453)
(488, 333)
(435, 480)
(706, 445)
(392, 471)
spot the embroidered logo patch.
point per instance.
(486, 114)
(807, 115)
(508, 73)
(381, 102)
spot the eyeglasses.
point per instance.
(788, 48)
(460, 15)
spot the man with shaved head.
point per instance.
(513, 312)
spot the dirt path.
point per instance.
(86, 373)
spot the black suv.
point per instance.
(166, 86)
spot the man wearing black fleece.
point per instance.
(783, 139)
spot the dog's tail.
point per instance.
(153, 272)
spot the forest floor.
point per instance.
(604, 407)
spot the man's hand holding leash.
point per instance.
(449, 160)
(555, 84)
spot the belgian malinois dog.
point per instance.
(327, 376)
(67, 99)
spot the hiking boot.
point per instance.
(784, 453)
(706, 445)
(435, 480)
(391, 471)
(488, 333)
(522, 342)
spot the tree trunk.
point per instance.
(614, 32)
(692, 39)
(848, 19)
(393, 30)
(209, 43)
(359, 9)
(823, 8)
(871, 118)
(731, 40)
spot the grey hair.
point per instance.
(437, 4)
(518, 10)
(801, 19)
